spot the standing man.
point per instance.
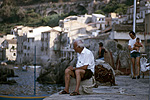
(135, 55)
(84, 68)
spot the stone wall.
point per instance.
(66, 7)
(128, 28)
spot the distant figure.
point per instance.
(25, 68)
(101, 51)
(135, 54)
(137, 44)
(84, 68)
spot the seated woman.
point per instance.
(101, 51)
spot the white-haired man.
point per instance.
(84, 68)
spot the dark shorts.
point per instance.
(135, 54)
(88, 74)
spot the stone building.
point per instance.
(147, 35)
(99, 21)
(143, 8)
(2, 50)
(20, 48)
(33, 39)
(11, 51)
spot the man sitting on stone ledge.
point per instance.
(84, 68)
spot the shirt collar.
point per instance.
(83, 51)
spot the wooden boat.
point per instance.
(7, 97)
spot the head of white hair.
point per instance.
(79, 42)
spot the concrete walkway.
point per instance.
(126, 89)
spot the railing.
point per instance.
(67, 53)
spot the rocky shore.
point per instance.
(5, 73)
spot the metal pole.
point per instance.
(134, 16)
(149, 83)
(134, 24)
(35, 70)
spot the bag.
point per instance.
(104, 75)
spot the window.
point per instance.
(14, 54)
(13, 47)
(25, 47)
(28, 48)
(31, 31)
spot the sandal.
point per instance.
(63, 92)
(74, 93)
(138, 76)
(133, 77)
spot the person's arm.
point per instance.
(100, 52)
(105, 50)
(74, 68)
(130, 48)
(82, 67)
(135, 45)
(140, 45)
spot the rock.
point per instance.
(3, 63)
(3, 78)
(118, 72)
(4, 73)
(120, 54)
(83, 84)
(53, 72)
(11, 82)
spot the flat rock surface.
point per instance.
(126, 89)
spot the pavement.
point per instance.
(126, 89)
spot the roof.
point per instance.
(1, 40)
(98, 15)
(57, 28)
(13, 41)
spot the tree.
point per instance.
(21, 13)
(99, 12)
(8, 11)
(122, 9)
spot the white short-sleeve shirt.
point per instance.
(131, 43)
(86, 58)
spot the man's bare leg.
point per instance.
(68, 73)
(79, 74)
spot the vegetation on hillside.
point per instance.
(12, 14)
(115, 6)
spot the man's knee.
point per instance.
(79, 72)
(67, 71)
